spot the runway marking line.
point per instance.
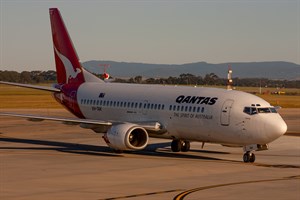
(143, 194)
(182, 195)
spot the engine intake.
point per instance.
(126, 137)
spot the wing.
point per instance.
(96, 125)
(49, 89)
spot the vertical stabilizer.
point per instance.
(68, 67)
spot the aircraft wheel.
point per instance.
(185, 146)
(252, 158)
(176, 145)
(246, 157)
(249, 157)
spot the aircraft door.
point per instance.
(225, 112)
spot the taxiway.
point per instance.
(48, 160)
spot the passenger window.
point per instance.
(170, 108)
(158, 107)
(186, 109)
(140, 106)
(202, 109)
(163, 107)
(155, 106)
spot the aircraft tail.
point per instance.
(68, 67)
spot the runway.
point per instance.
(48, 160)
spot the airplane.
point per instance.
(128, 114)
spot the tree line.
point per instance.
(37, 77)
(213, 79)
(33, 77)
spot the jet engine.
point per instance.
(126, 137)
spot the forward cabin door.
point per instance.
(225, 112)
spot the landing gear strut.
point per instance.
(249, 157)
(248, 149)
(180, 145)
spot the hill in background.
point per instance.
(270, 70)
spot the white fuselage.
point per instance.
(191, 113)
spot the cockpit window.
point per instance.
(263, 110)
(254, 110)
(273, 110)
(247, 110)
(250, 110)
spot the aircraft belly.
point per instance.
(189, 129)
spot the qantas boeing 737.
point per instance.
(128, 114)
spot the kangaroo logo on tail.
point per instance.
(70, 71)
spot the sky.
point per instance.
(160, 32)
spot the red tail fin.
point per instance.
(68, 67)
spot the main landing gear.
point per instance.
(249, 157)
(180, 145)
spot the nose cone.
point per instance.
(275, 127)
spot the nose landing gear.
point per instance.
(249, 156)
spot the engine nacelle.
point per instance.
(126, 137)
